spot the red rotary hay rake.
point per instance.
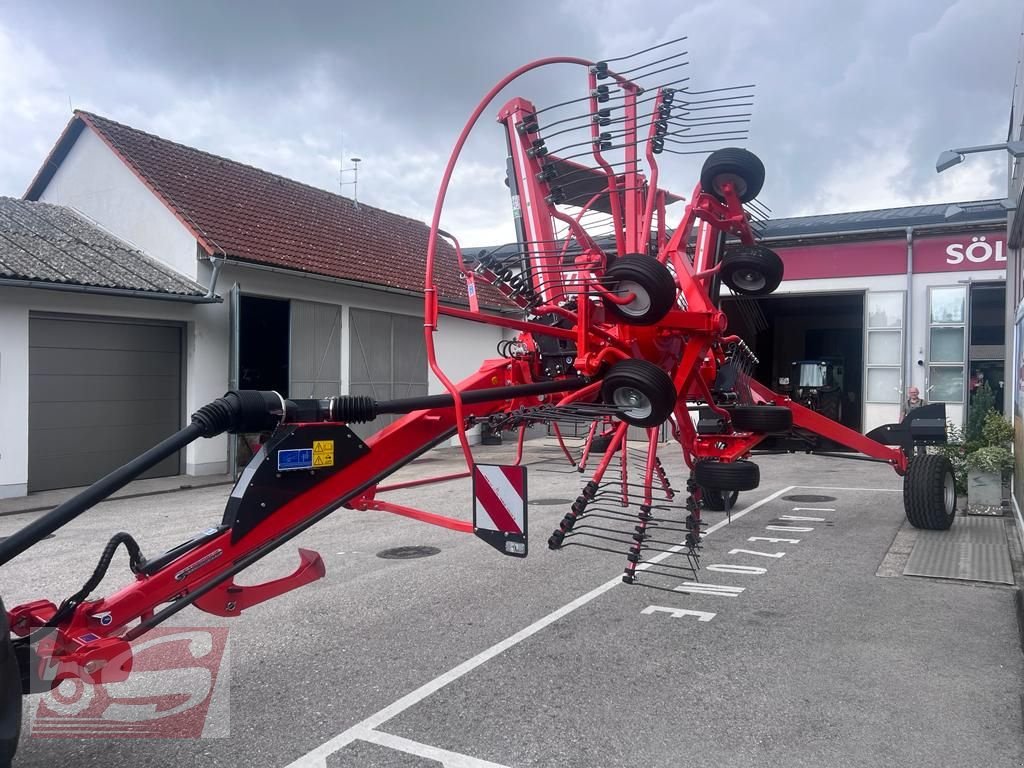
(620, 327)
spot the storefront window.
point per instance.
(885, 310)
(946, 347)
(883, 385)
(947, 305)
(885, 346)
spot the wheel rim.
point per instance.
(749, 279)
(949, 494)
(739, 185)
(640, 305)
(633, 402)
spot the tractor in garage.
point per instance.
(633, 300)
(817, 384)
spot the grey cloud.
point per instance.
(842, 87)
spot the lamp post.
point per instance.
(945, 161)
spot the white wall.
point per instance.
(206, 340)
(96, 183)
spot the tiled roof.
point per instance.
(248, 214)
(52, 244)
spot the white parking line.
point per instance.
(317, 758)
(443, 756)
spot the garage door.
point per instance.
(100, 393)
(387, 359)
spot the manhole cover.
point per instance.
(550, 502)
(407, 553)
(808, 498)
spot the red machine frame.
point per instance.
(576, 304)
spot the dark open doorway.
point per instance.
(263, 335)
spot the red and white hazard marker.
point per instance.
(499, 507)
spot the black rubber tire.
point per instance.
(929, 492)
(714, 499)
(652, 283)
(727, 476)
(763, 419)
(740, 166)
(752, 270)
(646, 380)
(10, 694)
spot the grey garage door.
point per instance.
(387, 359)
(100, 393)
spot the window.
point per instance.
(946, 344)
(885, 346)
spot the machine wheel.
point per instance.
(761, 418)
(643, 390)
(751, 270)
(929, 492)
(715, 499)
(727, 476)
(10, 694)
(649, 281)
(740, 167)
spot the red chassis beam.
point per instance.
(807, 419)
(94, 643)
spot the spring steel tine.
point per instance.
(688, 107)
(683, 119)
(685, 103)
(706, 135)
(650, 64)
(696, 151)
(717, 90)
(755, 203)
(669, 68)
(646, 50)
(574, 101)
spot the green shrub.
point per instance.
(993, 458)
(996, 430)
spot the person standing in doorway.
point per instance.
(913, 400)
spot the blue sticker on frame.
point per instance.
(295, 458)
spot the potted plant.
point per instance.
(989, 462)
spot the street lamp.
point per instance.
(952, 157)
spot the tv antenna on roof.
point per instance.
(354, 170)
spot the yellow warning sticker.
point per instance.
(323, 453)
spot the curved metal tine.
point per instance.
(699, 120)
(711, 107)
(739, 131)
(651, 64)
(577, 100)
(761, 207)
(707, 151)
(646, 50)
(687, 103)
(717, 90)
(669, 68)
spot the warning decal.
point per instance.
(323, 453)
(499, 507)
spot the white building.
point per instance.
(320, 296)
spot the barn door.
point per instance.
(387, 359)
(314, 366)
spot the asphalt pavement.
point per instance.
(791, 651)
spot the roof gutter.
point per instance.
(356, 284)
(100, 291)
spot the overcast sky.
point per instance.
(854, 99)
